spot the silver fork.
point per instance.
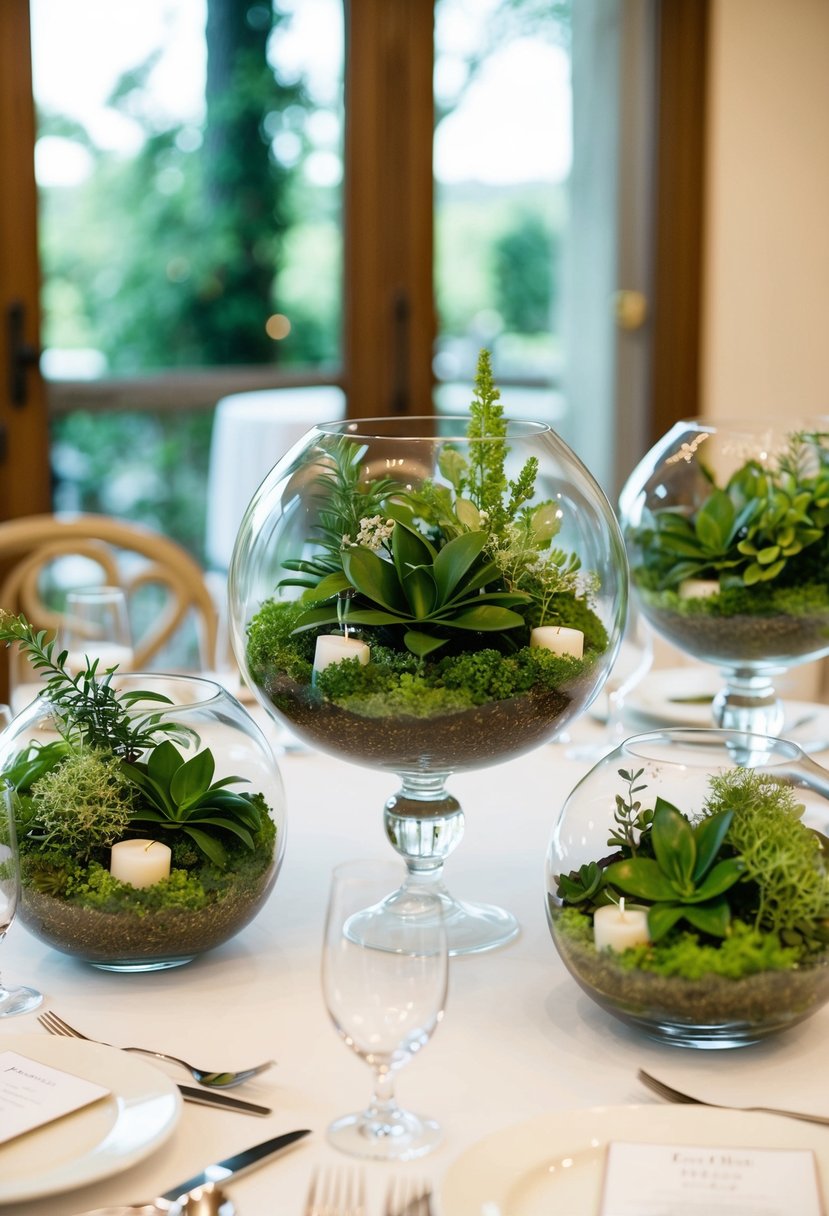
(336, 1191)
(408, 1197)
(676, 1095)
(211, 1080)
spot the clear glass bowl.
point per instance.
(726, 530)
(421, 743)
(127, 939)
(713, 1010)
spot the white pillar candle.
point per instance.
(141, 863)
(698, 588)
(559, 639)
(619, 928)
(334, 647)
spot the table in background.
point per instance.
(519, 1038)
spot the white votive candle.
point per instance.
(559, 639)
(619, 928)
(334, 647)
(698, 588)
(141, 863)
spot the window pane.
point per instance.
(189, 167)
(502, 159)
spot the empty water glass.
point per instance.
(96, 625)
(384, 980)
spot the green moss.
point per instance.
(450, 684)
(272, 645)
(805, 600)
(783, 859)
(82, 804)
(745, 951)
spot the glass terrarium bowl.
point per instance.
(726, 531)
(376, 503)
(679, 998)
(143, 931)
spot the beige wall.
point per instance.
(766, 321)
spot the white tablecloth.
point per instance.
(251, 432)
(519, 1037)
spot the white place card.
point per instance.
(32, 1093)
(691, 1180)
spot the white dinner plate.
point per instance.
(142, 1110)
(682, 696)
(555, 1163)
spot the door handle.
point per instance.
(23, 355)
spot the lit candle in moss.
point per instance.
(559, 639)
(618, 928)
(141, 863)
(334, 647)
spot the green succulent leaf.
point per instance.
(710, 834)
(674, 845)
(642, 877)
(455, 561)
(713, 917)
(662, 918)
(375, 578)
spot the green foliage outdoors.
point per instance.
(743, 888)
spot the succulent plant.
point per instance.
(747, 532)
(422, 590)
(684, 880)
(181, 794)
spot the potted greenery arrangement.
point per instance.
(135, 853)
(427, 595)
(696, 903)
(439, 581)
(726, 530)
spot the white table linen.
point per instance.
(519, 1038)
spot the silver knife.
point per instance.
(240, 1163)
(211, 1097)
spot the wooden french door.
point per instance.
(24, 459)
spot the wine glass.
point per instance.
(20, 999)
(633, 662)
(385, 989)
(96, 625)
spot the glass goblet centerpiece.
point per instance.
(427, 596)
(727, 531)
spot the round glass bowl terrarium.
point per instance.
(426, 556)
(727, 531)
(688, 894)
(195, 854)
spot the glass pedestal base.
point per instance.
(385, 1135)
(18, 1000)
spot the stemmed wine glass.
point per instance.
(21, 999)
(385, 989)
(96, 626)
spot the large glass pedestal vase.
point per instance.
(409, 597)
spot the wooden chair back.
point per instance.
(117, 553)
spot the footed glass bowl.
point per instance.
(727, 532)
(147, 930)
(706, 1009)
(387, 542)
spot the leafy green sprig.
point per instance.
(89, 709)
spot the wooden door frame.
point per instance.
(24, 436)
